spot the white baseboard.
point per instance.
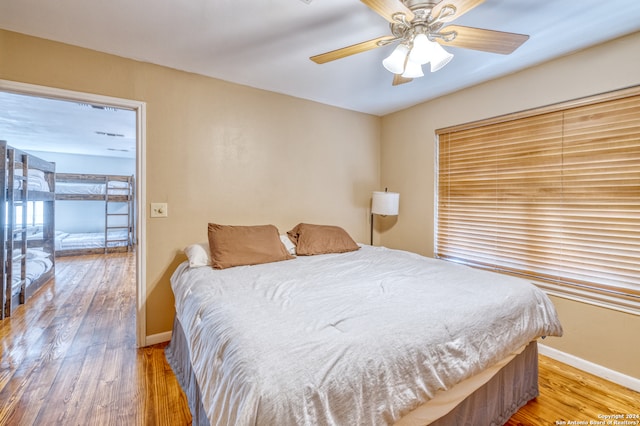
(590, 367)
(157, 338)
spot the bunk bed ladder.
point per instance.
(21, 230)
(112, 223)
(13, 229)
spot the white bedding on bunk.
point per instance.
(35, 182)
(38, 262)
(355, 338)
(115, 188)
(86, 240)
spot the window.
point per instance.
(551, 194)
(35, 213)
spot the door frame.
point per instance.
(140, 197)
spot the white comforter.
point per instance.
(347, 339)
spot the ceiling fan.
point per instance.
(420, 28)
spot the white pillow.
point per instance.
(198, 255)
(288, 244)
(118, 184)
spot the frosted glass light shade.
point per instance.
(421, 50)
(395, 62)
(385, 203)
(439, 56)
(412, 70)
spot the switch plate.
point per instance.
(159, 210)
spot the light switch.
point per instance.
(159, 210)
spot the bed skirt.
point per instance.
(492, 404)
(177, 353)
(502, 396)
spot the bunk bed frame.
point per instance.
(16, 232)
(111, 195)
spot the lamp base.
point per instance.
(371, 234)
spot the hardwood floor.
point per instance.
(70, 359)
(571, 395)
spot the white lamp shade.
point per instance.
(395, 62)
(385, 203)
(412, 70)
(439, 57)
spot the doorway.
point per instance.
(115, 141)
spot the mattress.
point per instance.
(489, 398)
(36, 180)
(38, 262)
(115, 188)
(87, 240)
(357, 338)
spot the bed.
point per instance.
(94, 187)
(83, 242)
(26, 208)
(371, 336)
(117, 194)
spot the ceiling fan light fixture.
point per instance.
(395, 61)
(412, 70)
(421, 50)
(439, 56)
(421, 28)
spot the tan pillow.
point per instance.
(320, 239)
(245, 245)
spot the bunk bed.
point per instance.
(117, 194)
(27, 213)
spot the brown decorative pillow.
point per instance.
(320, 239)
(245, 245)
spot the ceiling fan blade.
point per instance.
(485, 40)
(462, 7)
(349, 50)
(398, 79)
(387, 8)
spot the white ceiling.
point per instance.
(52, 125)
(267, 43)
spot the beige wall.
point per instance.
(218, 151)
(408, 154)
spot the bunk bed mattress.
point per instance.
(36, 180)
(115, 188)
(88, 240)
(355, 338)
(38, 263)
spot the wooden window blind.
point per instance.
(553, 195)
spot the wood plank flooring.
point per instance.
(70, 359)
